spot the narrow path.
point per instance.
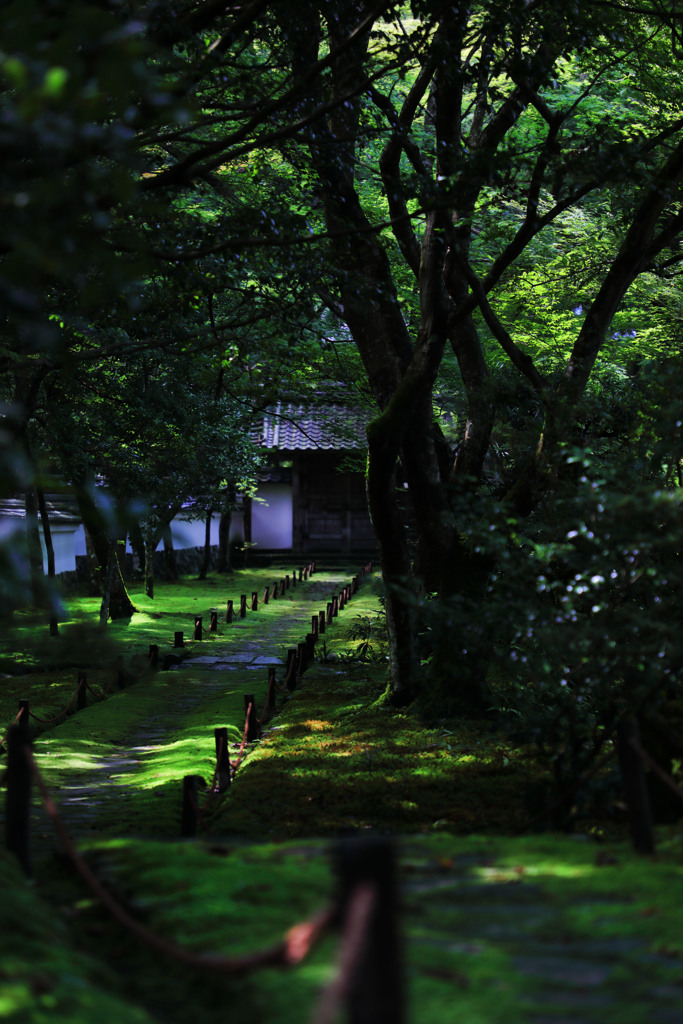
(87, 797)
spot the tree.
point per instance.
(479, 120)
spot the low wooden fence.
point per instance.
(368, 978)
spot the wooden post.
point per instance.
(222, 759)
(153, 656)
(375, 993)
(266, 595)
(270, 699)
(328, 614)
(275, 586)
(335, 607)
(355, 584)
(287, 582)
(251, 723)
(302, 660)
(305, 572)
(283, 587)
(315, 623)
(254, 600)
(301, 575)
(178, 639)
(188, 821)
(18, 797)
(322, 621)
(310, 647)
(24, 723)
(213, 626)
(635, 786)
(197, 635)
(292, 667)
(243, 606)
(230, 613)
(294, 578)
(81, 691)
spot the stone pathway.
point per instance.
(506, 947)
(86, 796)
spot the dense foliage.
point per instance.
(471, 213)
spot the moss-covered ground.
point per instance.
(497, 923)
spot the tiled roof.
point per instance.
(328, 427)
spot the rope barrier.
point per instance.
(292, 949)
(360, 910)
(3, 742)
(51, 721)
(100, 693)
(240, 755)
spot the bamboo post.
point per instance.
(222, 759)
(18, 797)
(375, 993)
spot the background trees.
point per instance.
(487, 201)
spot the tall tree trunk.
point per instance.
(223, 563)
(50, 551)
(35, 551)
(120, 604)
(107, 584)
(394, 557)
(207, 546)
(149, 535)
(169, 554)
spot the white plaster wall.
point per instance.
(271, 517)
(64, 545)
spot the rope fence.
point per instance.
(121, 677)
(368, 975)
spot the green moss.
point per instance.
(495, 928)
